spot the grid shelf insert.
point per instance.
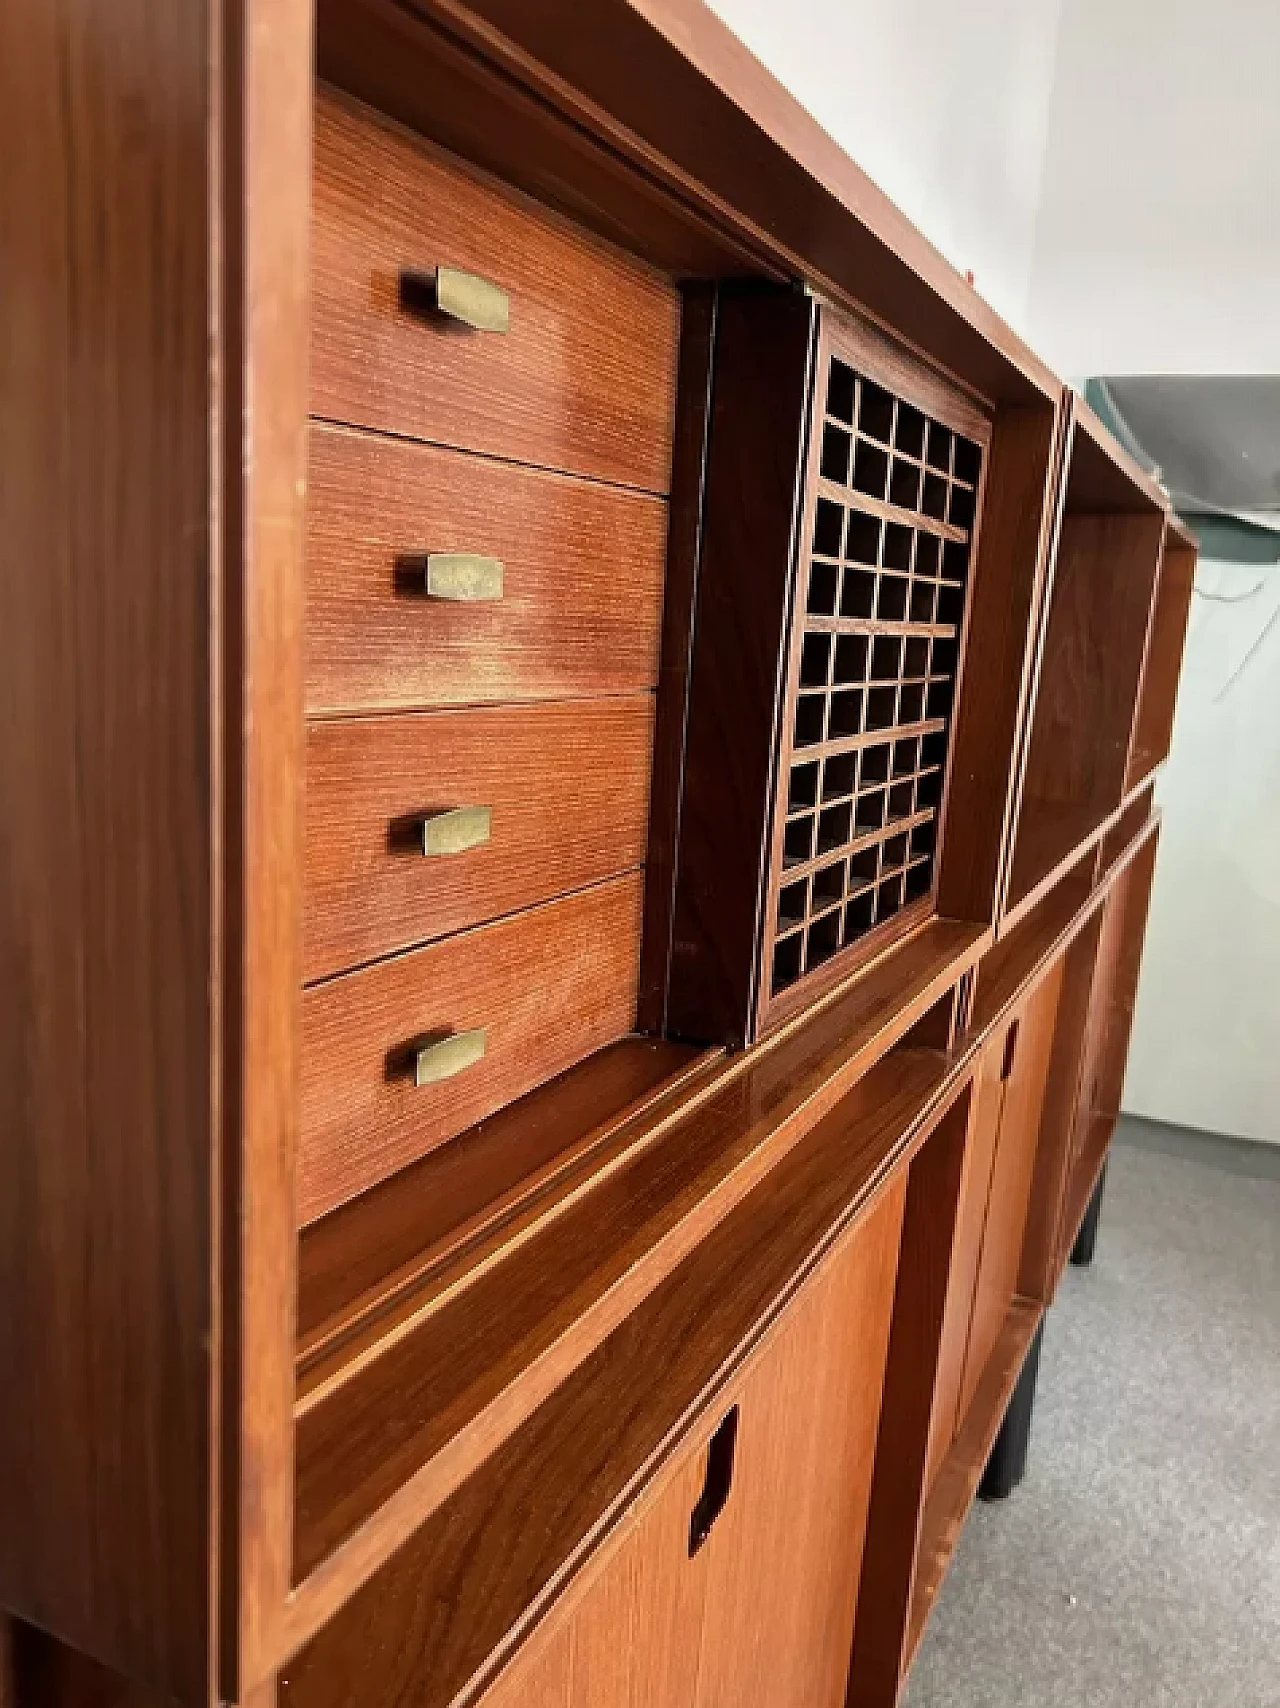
(881, 608)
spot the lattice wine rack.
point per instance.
(881, 598)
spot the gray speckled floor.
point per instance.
(1139, 1563)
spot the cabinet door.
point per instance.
(971, 1219)
(1025, 1047)
(761, 1611)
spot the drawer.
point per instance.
(580, 610)
(559, 796)
(545, 987)
(582, 379)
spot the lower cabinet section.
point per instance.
(995, 1192)
(733, 1581)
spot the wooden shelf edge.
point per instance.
(920, 1086)
(957, 1480)
(1016, 911)
(331, 1317)
(1148, 490)
(823, 1052)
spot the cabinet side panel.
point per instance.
(106, 941)
(754, 471)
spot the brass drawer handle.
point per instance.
(464, 297)
(460, 577)
(442, 1057)
(456, 829)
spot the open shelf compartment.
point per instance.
(1096, 624)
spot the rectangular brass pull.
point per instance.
(456, 829)
(441, 1058)
(462, 576)
(464, 297)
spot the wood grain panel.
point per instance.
(1002, 1241)
(957, 1481)
(641, 1629)
(567, 784)
(1039, 1270)
(754, 479)
(1087, 688)
(1153, 729)
(414, 1420)
(108, 962)
(785, 1558)
(585, 378)
(1018, 528)
(897, 1490)
(549, 986)
(370, 1249)
(582, 598)
(971, 1217)
(263, 462)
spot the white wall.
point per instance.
(1206, 1035)
(945, 106)
(1158, 251)
(1158, 243)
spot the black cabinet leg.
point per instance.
(1087, 1238)
(1008, 1462)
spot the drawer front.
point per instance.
(582, 379)
(545, 988)
(559, 797)
(580, 608)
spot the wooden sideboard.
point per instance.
(577, 729)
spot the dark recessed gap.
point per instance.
(803, 787)
(835, 454)
(810, 714)
(846, 713)
(824, 578)
(862, 538)
(904, 484)
(886, 658)
(870, 469)
(881, 712)
(892, 604)
(923, 600)
(875, 412)
(828, 522)
(858, 594)
(815, 660)
(840, 388)
(909, 428)
(797, 841)
(968, 463)
(839, 776)
(897, 546)
(851, 659)
(786, 961)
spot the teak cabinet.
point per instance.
(577, 733)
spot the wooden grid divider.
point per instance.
(881, 605)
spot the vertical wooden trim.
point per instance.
(1060, 465)
(1008, 572)
(269, 93)
(897, 1490)
(680, 598)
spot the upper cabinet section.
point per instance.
(1096, 627)
(841, 494)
